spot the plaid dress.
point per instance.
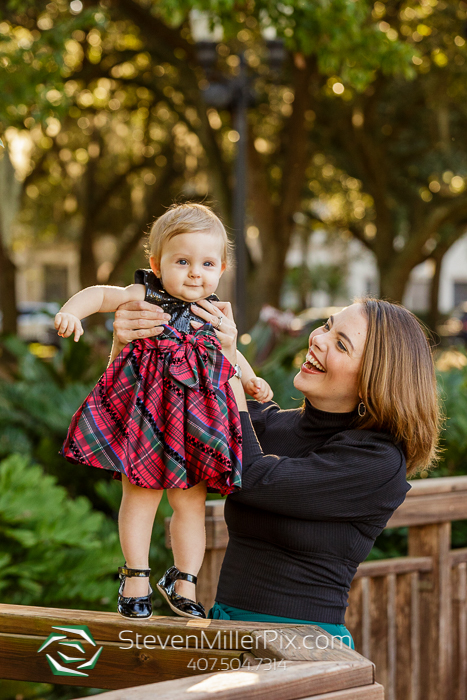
(163, 413)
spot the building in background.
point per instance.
(359, 273)
(50, 273)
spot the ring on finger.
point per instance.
(219, 323)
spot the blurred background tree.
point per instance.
(364, 119)
(401, 142)
(111, 100)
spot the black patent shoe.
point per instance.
(180, 605)
(129, 606)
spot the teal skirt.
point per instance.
(219, 611)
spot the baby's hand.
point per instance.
(67, 324)
(259, 389)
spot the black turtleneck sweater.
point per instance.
(316, 492)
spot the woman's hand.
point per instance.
(138, 319)
(219, 314)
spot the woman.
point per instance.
(320, 482)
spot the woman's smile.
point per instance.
(312, 365)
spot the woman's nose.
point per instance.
(317, 340)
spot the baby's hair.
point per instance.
(189, 217)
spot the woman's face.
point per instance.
(329, 376)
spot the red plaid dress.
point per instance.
(164, 415)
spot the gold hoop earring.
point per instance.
(361, 409)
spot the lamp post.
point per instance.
(239, 193)
(235, 94)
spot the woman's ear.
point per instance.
(154, 266)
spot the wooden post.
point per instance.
(435, 609)
(353, 615)
(216, 542)
(459, 631)
(404, 655)
(379, 628)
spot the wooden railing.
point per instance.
(408, 614)
(168, 657)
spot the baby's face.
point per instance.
(191, 265)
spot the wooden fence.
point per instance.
(408, 614)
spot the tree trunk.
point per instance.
(154, 207)
(275, 221)
(270, 276)
(433, 311)
(394, 271)
(392, 284)
(438, 256)
(7, 291)
(87, 260)
(10, 199)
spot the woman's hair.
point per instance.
(398, 383)
(189, 217)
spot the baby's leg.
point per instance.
(135, 521)
(187, 533)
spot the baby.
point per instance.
(163, 416)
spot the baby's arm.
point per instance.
(93, 300)
(254, 386)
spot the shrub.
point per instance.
(55, 550)
(453, 391)
(37, 403)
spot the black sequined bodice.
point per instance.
(180, 311)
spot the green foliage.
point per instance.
(36, 408)
(392, 542)
(55, 550)
(453, 390)
(12, 690)
(331, 31)
(40, 56)
(334, 31)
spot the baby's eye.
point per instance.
(182, 261)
